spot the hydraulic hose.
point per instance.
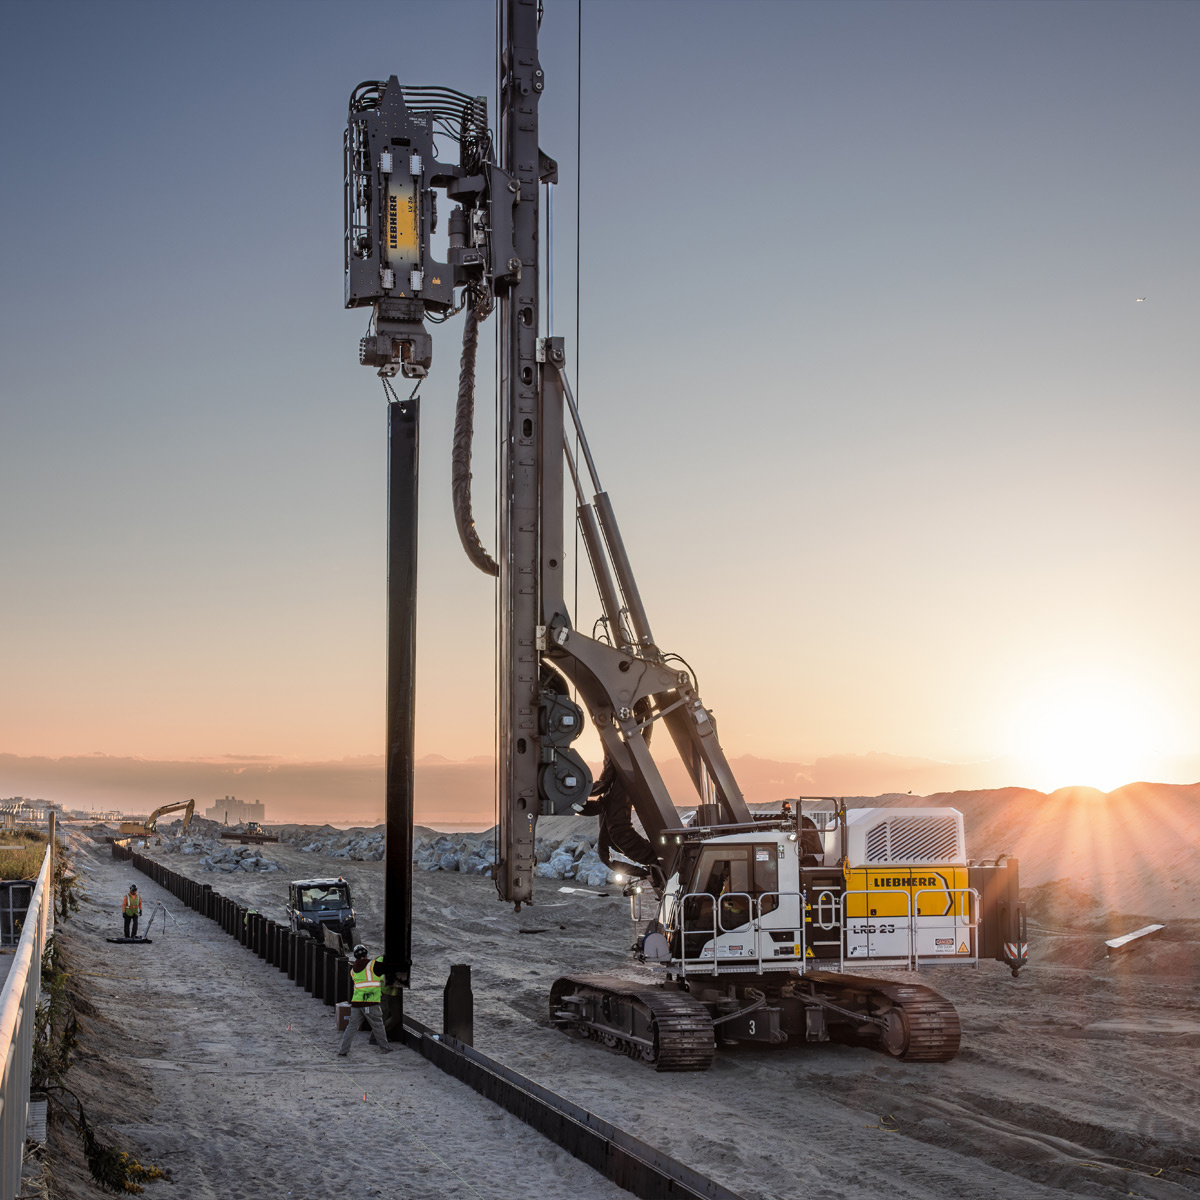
(460, 466)
(615, 807)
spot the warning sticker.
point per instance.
(808, 953)
(963, 949)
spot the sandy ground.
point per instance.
(1080, 1078)
(203, 1059)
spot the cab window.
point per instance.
(735, 872)
(766, 874)
(321, 899)
(725, 869)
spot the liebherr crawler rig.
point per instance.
(749, 922)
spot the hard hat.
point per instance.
(360, 951)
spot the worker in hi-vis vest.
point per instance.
(131, 909)
(365, 1000)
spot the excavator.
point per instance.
(149, 826)
(750, 928)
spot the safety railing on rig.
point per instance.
(18, 1021)
(702, 932)
(878, 936)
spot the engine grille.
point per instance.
(914, 839)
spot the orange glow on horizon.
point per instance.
(1087, 729)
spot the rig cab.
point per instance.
(821, 888)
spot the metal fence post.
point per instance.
(458, 1005)
(329, 983)
(318, 989)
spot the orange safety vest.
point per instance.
(133, 904)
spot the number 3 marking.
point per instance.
(751, 1028)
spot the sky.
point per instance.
(904, 465)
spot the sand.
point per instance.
(1079, 1078)
(204, 1059)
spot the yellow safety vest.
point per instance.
(368, 987)
(133, 905)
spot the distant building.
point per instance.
(24, 809)
(232, 811)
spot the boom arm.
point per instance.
(629, 685)
(152, 819)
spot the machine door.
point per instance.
(732, 887)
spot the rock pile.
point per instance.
(357, 844)
(566, 851)
(237, 858)
(218, 855)
(365, 847)
(467, 853)
(200, 827)
(571, 859)
(475, 854)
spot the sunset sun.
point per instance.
(1088, 730)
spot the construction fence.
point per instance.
(324, 973)
(319, 969)
(18, 1023)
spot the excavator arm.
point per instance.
(189, 805)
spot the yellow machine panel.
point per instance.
(898, 891)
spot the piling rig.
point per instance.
(746, 921)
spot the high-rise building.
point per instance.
(232, 811)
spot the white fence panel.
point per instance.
(18, 1005)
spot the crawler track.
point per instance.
(657, 1025)
(922, 1026)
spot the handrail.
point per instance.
(876, 892)
(18, 1006)
(961, 920)
(912, 917)
(677, 923)
(827, 914)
